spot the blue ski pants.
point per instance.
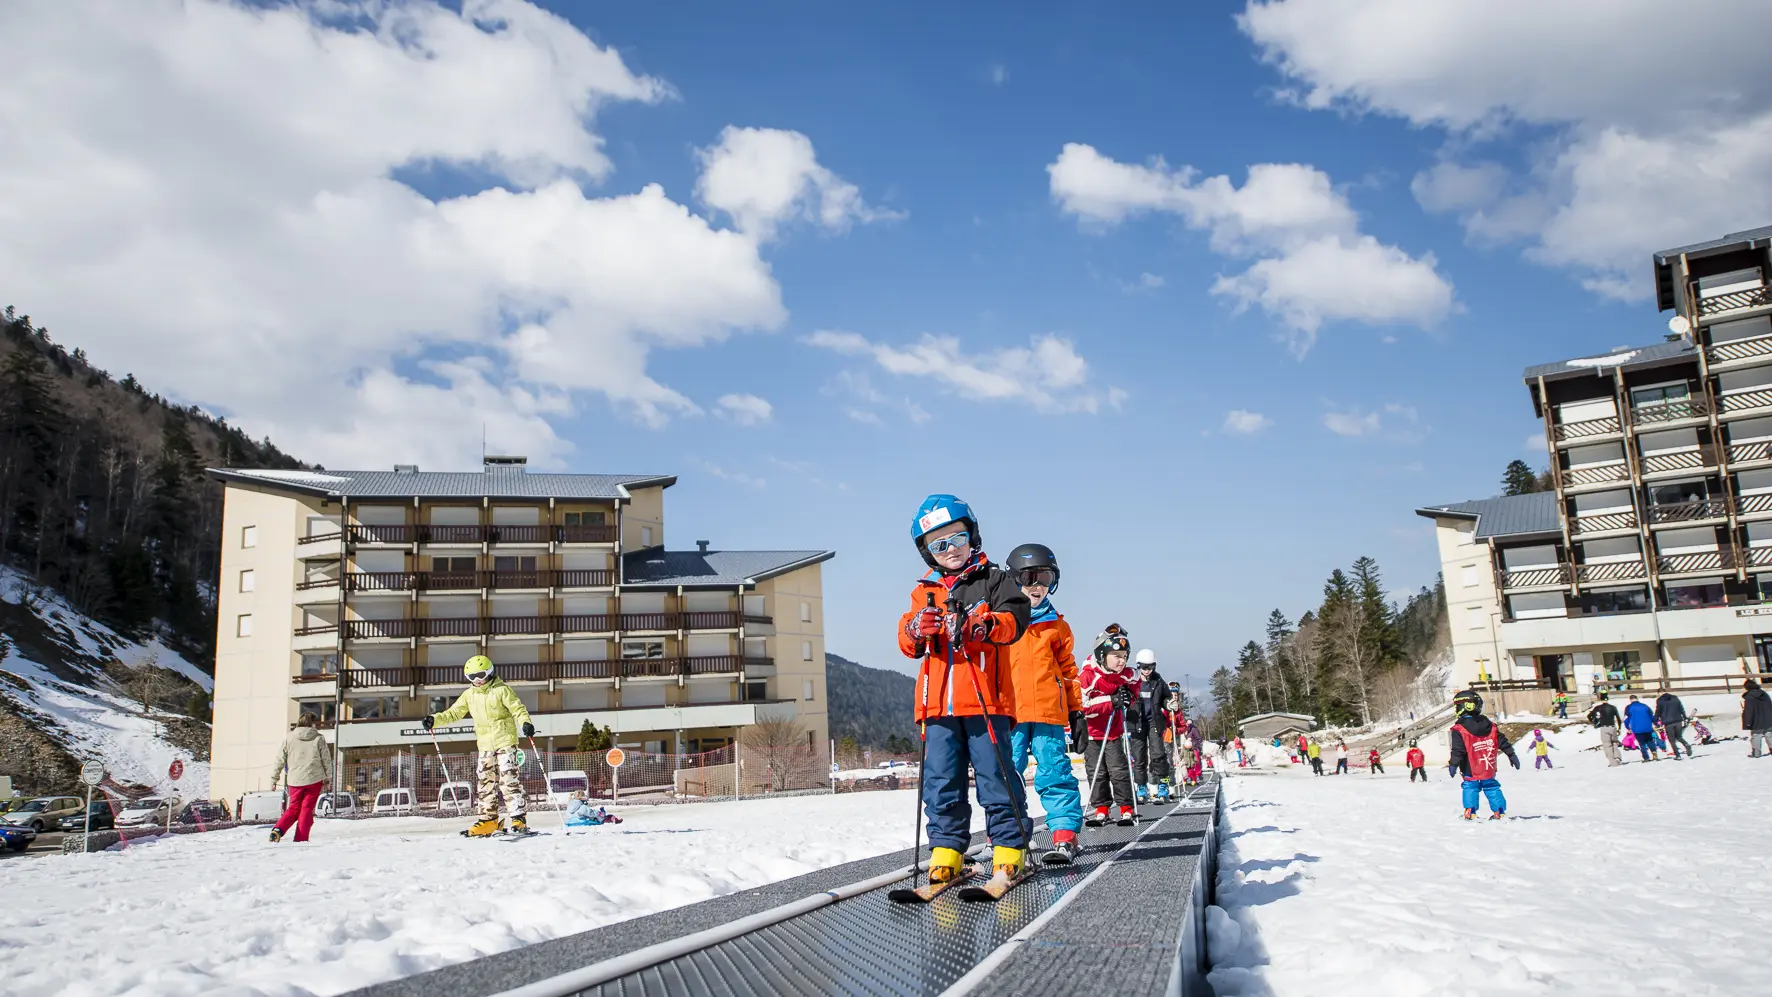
(956, 745)
(1053, 778)
(1490, 790)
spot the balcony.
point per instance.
(591, 534)
(1594, 474)
(1718, 305)
(1738, 403)
(1697, 562)
(542, 671)
(1740, 353)
(446, 581)
(1757, 557)
(315, 637)
(1682, 513)
(1754, 506)
(472, 535)
(1753, 452)
(324, 545)
(1604, 522)
(1586, 430)
(1611, 571)
(515, 626)
(1657, 415)
(1537, 576)
(1681, 460)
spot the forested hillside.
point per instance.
(871, 705)
(102, 493)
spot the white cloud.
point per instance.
(1536, 446)
(1048, 374)
(746, 410)
(1396, 422)
(864, 417)
(764, 177)
(998, 74)
(1240, 422)
(1659, 128)
(1352, 423)
(1313, 263)
(213, 208)
(736, 477)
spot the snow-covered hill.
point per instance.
(54, 678)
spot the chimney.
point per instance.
(702, 545)
(405, 468)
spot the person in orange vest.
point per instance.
(1047, 700)
(1416, 761)
(965, 614)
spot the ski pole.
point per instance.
(1126, 745)
(1021, 816)
(446, 779)
(922, 758)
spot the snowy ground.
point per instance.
(371, 900)
(1618, 881)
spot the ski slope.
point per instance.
(1636, 880)
(228, 913)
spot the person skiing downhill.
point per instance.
(1109, 691)
(1148, 722)
(499, 716)
(1416, 761)
(1542, 749)
(1048, 700)
(965, 614)
(1476, 745)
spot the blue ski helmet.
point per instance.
(938, 511)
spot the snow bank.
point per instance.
(1625, 881)
(371, 900)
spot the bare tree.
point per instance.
(781, 745)
(1348, 631)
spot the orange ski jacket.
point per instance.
(1044, 665)
(980, 669)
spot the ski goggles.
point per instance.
(480, 678)
(1036, 576)
(958, 541)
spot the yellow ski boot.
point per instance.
(1008, 863)
(945, 864)
(485, 827)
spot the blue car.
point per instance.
(17, 837)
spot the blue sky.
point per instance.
(359, 285)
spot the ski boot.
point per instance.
(945, 865)
(1064, 849)
(1128, 817)
(1143, 795)
(1098, 817)
(1498, 815)
(1008, 863)
(519, 824)
(1163, 792)
(276, 835)
(485, 827)
(1470, 813)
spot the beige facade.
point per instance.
(344, 598)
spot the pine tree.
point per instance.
(1279, 657)
(1519, 479)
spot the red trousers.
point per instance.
(300, 811)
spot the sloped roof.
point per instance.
(1504, 515)
(495, 482)
(1601, 363)
(1666, 294)
(657, 568)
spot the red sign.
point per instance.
(615, 757)
(177, 771)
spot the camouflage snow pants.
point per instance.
(498, 774)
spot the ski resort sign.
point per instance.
(177, 770)
(92, 773)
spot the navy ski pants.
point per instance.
(955, 745)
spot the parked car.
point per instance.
(455, 796)
(201, 813)
(44, 812)
(101, 816)
(337, 805)
(17, 837)
(147, 810)
(562, 784)
(262, 807)
(394, 801)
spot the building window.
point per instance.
(382, 707)
(807, 687)
(585, 519)
(248, 581)
(1470, 575)
(1474, 618)
(805, 612)
(325, 709)
(437, 704)
(756, 691)
(635, 649)
(1689, 595)
(805, 650)
(319, 664)
(243, 625)
(645, 536)
(249, 536)
(1618, 668)
(1627, 600)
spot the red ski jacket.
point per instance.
(1416, 759)
(1099, 687)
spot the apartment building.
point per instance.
(1651, 560)
(357, 595)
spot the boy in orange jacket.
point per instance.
(1047, 699)
(964, 616)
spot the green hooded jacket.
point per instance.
(497, 714)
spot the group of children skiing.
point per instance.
(999, 685)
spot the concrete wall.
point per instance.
(784, 596)
(646, 510)
(1474, 648)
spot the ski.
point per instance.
(929, 891)
(993, 889)
(1064, 854)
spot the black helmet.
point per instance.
(1032, 556)
(1467, 702)
(1412, 742)
(1109, 642)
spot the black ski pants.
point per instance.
(1150, 756)
(1377, 768)
(1114, 781)
(1418, 771)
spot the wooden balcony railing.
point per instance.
(1669, 411)
(433, 533)
(1596, 475)
(1704, 456)
(436, 581)
(437, 533)
(1611, 571)
(1587, 428)
(592, 534)
(1753, 297)
(316, 629)
(1745, 453)
(507, 626)
(1548, 574)
(1757, 557)
(1601, 522)
(1722, 559)
(315, 538)
(543, 671)
(588, 623)
(1740, 401)
(1754, 505)
(309, 584)
(1689, 512)
(649, 621)
(1740, 349)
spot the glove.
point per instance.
(1515, 761)
(1123, 698)
(528, 730)
(923, 624)
(978, 625)
(1169, 737)
(428, 722)
(1076, 717)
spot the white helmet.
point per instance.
(1147, 656)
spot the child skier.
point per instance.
(1416, 761)
(1148, 723)
(1189, 760)
(1109, 691)
(1541, 748)
(580, 813)
(1374, 759)
(499, 716)
(1315, 751)
(964, 615)
(1043, 664)
(1341, 758)
(1476, 743)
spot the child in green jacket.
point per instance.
(499, 716)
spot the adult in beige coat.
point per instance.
(307, 759)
